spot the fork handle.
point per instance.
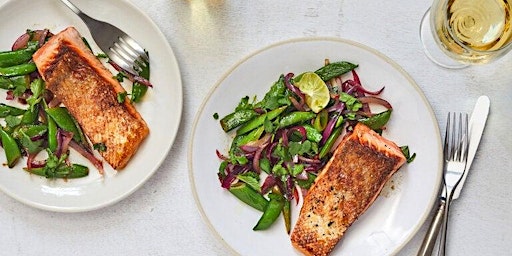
(444, 227)
(72, 7)
(430, 239)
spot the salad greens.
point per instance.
(280, 144)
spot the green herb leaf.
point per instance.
(406, 152)
(216, 116)
(100, 147)
(251, 179)
(121, 97)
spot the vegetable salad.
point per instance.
(282, 141)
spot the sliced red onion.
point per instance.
(32, 163)
(220, 155)
(89, 155)
(302, 176)
(328, 128)
(38, 35)
(291, 87)
(304, 159)
(132, 77)
(257, 157)
(63, 139)
(300, 129)
(375, 100)
(268, 184)
(296, 104)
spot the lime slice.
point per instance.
(315, 90)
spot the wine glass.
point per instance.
(459, 33)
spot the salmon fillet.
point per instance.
(88, 90)
(349, 183)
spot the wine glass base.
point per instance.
(432, 50)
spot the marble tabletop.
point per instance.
(208, 38)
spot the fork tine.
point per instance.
(134, 46)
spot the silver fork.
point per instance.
(456, 144)
(117, 45)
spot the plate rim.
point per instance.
(238, 63)
(165, 152)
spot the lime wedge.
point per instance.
(315, 90)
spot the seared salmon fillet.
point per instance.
(88, 90)
(349, 183)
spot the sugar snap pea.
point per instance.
(272, 211)
(249, 196)
(16, 57)
(335, 69)
(377, 121)
(330, 142)
(6, 110)
(296, 117)
(52, 133)
(18, 70)
(237, 118)
(63, 172)
(259, 120)
(312, 134)
(64, 120)
(11, 148)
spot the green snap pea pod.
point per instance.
(330, 142)
(236, 119)
(377, 121)
(65, 121)
(64, 172)
(11, 148)
(249, 196)
(18, 70)
(312, 134)
(6, 110)
(52, 133)
(321, 120)
(251, 136)
(271, 213)
(259, 120)
(296, 117)
(287, 215)
(11, 58)
(335, 69)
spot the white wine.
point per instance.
(473, 31)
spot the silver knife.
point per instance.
(476, 128)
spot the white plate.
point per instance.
(404, 203)
(161, 107)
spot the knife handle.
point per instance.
(430, 239)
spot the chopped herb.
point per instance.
(215, 116)
(100, 147)
(101, 56)
(121, 97)
(120, 77)
(407, 154)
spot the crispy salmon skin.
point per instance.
(349, 183)
(88, 90)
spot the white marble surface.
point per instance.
(209, 37)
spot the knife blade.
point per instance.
(476, 128)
